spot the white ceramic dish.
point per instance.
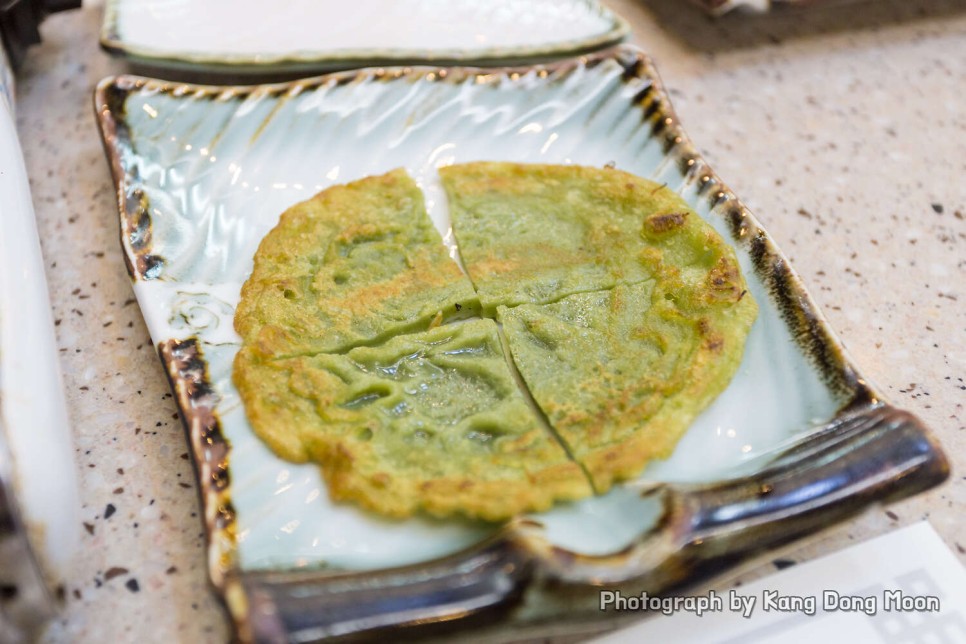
(204, 172)
(246, 36)
(39, 499)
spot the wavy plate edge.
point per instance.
(113, 43)
(870, 453)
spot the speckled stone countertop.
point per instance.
(841, 127)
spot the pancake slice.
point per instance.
(621, 374)
(537, 233)
(353, 265)
(431, 421)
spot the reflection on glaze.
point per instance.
(603, 525)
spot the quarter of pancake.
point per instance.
(355, 264)
(536, 233)
(432, 421)
(621, 374)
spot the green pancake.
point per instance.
(536, 233)
(624, 312)
(355, 264)
(432, 421)
(621, 374)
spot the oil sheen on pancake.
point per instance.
(625, 312)
(355, 264)
(621, 374)
(432, 421)
(536, 233)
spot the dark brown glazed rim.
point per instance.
(517, 583)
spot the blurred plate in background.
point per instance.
(296, 36)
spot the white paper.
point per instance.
(903, 587)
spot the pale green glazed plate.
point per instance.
(799, 440)
(286, 36)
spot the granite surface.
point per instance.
(842, 127)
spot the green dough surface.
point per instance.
(366, 349)
(432, 421)
(355, 264)
(536, 233)
(621, 374)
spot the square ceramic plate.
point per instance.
(797, 441)
(252, 37)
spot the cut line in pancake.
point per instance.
(637, 256)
